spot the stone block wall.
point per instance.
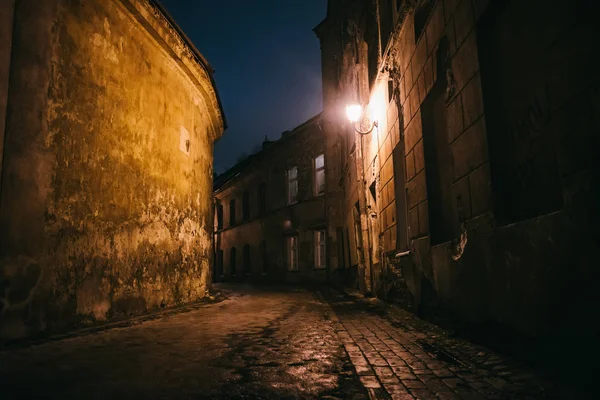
(493, 140)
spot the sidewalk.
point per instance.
(399, 356)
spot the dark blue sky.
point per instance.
(267, 65)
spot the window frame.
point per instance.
(292, 251)
(315, 172)
(220, 218)
(291, 181)
(320, 249)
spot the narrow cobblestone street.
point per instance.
(269, 344)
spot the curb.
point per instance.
(123, 323)
(374, 393)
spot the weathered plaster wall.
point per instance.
(106, 211)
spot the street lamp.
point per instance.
(355, 112)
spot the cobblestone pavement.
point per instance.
(399, 356)
(271, 344)
(257, 344)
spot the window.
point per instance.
(246, 206)
(262, 198)
(320, 175)
(232, 261)
(422, 14)
(265, 260)
(320, 244)
(247, 259)
(292, 253)
(220, 263)
(386, 18)
(232, 212)
(399, 161)
(292, 176)
(524, 172)
(219, 216)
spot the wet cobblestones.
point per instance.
(272, 344)
(399, 356)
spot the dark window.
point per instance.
(421, 16)
(443, 218)
(246, 206)
(399, 160)
(232, 212)
(262, 198)
(386, 16)
(232, 261)
(339, 235)
(265, 260)
(219, 216)
(247, 260)
(525, 179)
(220, 263)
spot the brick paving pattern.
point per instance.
(398, 356)
(272, 344)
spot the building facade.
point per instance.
(270, 219)
(106, 205)
(475, 197)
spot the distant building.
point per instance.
(106, 188)
(270, 218)
(476, 196)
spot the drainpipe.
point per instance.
(364, 217)
(7, 13)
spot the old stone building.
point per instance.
(270, 220)
(474, 199)
(106, 210)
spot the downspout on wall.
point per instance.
(7, 12)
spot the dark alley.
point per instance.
(299, 199)
(271, 343)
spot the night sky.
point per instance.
(267, 65)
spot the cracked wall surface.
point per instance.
(103, 212)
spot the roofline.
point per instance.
(294, 131)
(203, 61)
(319, 28)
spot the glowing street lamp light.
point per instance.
(354, 112)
